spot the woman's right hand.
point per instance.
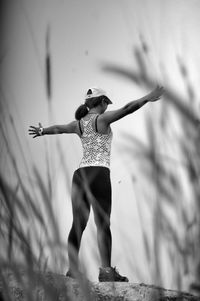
(35, 131)
(156, 94)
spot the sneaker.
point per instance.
(109, 274)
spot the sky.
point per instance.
(84, 36)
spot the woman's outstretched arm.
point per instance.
(112, 116)
(70, 128)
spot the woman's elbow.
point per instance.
(126, 110)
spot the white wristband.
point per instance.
(41, 131)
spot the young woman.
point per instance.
(91, 184)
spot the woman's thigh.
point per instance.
(100, 186)
(80, 203)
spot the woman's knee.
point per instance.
(80, 224)
(102, 224)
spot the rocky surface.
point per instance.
(46, 287)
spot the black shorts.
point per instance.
(92, 186)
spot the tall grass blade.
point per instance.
(48, 206)
(48, 66)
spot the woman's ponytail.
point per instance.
(81, 111)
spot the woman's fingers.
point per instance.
(155, 97)
(33, 130)
(34, 134)
(158, 92)
(161, 90)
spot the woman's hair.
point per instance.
(89, 104)
(81, 111)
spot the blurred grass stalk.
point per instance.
(29, 232)
(176, 205)
(30, 239)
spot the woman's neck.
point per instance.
(94, 111)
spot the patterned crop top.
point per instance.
(96, 146)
